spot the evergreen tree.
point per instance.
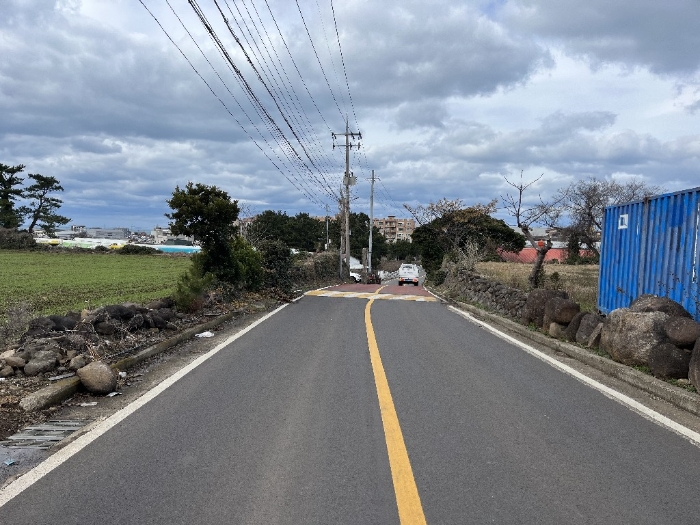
(42, 208)
(10, 191)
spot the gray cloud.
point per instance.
(663, 36)
(441, 48)
(94, 94)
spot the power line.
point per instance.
(318, 59)
(263, 112)
(307, 168)
(288, 89)
(220, 100)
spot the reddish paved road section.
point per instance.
(394, 289)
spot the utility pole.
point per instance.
(348, 180)
(327, 239)
(371, 222)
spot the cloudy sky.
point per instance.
(123, 100)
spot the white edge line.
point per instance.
(29, 478)
(645, 411)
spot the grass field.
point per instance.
(580, 282)
(55, 283)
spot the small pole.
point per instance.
(371, 223)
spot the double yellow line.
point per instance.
(407, 498)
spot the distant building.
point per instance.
(244, 224)
(108, 233)
(394, 229)
(165, 236)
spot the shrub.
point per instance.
(250, 264)
(11, 239)
(439, 277)
(326, 265)
(131, 249)
(191, 286)
(277, 263)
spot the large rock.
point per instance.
(556, 330)
(135, 323)
(669, 362)
(39, 326)
(14, 361)
(533, 311)
(559, 310)
(586, 327)
(167, 314)
(7, 371)
(572, 327)
(682, 332)
(629, 336)
(72, 342)
(32, 347)
(694, 371)
(105, 328)
(161, 303)
(98, 377)
(78, 362)
(654, 303)
(42, 361)
(594, 339)
(120, 312)
(153, 320)
(62, 323)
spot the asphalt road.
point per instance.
(283, 425)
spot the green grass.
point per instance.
(55, 283)
(579, 281)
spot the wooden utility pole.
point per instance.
(348, 180)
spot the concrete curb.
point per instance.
(65, 388)
(676, 396)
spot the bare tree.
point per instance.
(435, 210)
(584, 202)
(544, 213)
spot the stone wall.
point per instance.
(492, 295)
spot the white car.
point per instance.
(355, 277)
(408, 274)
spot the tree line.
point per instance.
(453, 235)
(448, 230)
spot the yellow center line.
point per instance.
(407, 498)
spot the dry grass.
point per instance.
(580, 282)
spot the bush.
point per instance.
(439, 277)
(250, 264)
(130, 249)
(189, 294)
(11, 239)
(277, 263)
(326, 265)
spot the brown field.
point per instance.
(579, 281)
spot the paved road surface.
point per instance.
(284, 425)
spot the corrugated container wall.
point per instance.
(651, 247)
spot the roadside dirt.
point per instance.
(91, 408)
(13, 389)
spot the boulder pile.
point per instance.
(654, 332)
(84, 342)
(560, 317)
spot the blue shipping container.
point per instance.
(651, 247)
